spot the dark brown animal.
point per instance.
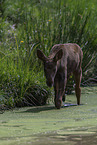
(63, 60)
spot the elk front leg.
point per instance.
(77, 87)
(58, 96)
(64, 97)
(59, 88)
(56, 89)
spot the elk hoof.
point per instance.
(58, 104)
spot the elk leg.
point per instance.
(64, 97)
(57, 98)
(77, 86)
(64, 85)
(56, 89)
(58, 95)
(59, 88)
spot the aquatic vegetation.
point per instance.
(35, 125)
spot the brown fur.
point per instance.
(63, 60)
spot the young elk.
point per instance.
(63, 60)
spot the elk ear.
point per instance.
(58, 55)
(41, 55)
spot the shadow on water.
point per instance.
(46, 108)
(39, 109)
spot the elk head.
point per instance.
(50, 65)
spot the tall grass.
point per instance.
(18, 72)
(28, 25)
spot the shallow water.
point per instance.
(45, 125)
(55, 139)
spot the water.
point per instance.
(55, 139)
(45, 125)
